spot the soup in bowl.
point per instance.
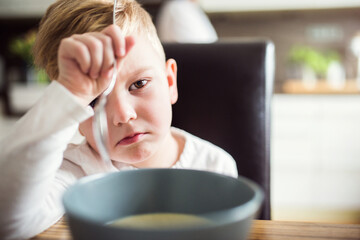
(162, 204)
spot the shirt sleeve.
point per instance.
(229, 166)
(30, 157)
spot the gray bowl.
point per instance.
(230, 203)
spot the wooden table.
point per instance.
(261, 229)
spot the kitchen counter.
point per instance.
(315, 157)
(320, 87)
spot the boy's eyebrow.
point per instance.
(141, 70)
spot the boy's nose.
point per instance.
(122, 111)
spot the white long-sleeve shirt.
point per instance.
(37, 163)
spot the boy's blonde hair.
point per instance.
(67, 17)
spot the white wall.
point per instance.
(23, 8)
(36, 8)
(265, 5)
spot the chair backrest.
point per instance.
(225, 90)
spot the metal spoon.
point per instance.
(100, 127)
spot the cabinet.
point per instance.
(315, 157)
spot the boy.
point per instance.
(77, 45)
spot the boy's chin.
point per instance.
(133, 158)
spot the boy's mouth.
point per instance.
(133, 138)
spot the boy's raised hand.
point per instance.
(86, 61)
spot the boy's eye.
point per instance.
(138, 84)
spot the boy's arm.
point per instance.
(32, 153)
(29, 158)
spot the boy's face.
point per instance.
(139, 107)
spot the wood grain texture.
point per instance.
(261, 229)
(279, 230)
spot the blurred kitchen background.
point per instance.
(315, 151)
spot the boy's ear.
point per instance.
(171, 75)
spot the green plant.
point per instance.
(22, 47)
(318, 61)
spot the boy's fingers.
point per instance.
(96, 49)
(130, 42)
(75, 50)
(116, 35)
(94, 52)
(108, 53)
(129, 45)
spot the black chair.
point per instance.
(225, 90)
